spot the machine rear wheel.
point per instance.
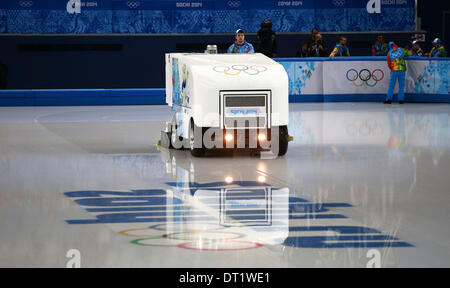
(282, 140)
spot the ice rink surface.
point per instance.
(361, 185)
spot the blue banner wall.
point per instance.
(202, 16)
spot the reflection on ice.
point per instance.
(241, 212)
(359, 179)
(414, 125)
(240, 203)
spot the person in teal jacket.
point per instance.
(341, 48)
(380, 48)
(438, 50)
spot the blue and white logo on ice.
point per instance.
(251, 205)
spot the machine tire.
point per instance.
(196, 152)
(283, 140)
(173, 134)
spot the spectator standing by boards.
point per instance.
(302, 52)
(318, 48)
(312, 39)
(266, 40)
(380, 48)
(397, 65)
(341, 48)
(438, 50)
(410, 44)
(416, 50)
(240, 45)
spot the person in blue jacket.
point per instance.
(341, 48)
(240, 45)
(438, 50)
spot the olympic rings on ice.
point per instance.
(364, 75)
(140, 232)
(222, 245)
(207, 235)
(192, 227)
(235, 70)
(209, 240)
(155, 242)
(367, 127)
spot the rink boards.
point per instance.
(344, 79)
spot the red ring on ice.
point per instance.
(255, 245)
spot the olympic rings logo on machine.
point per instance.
(235, 70)
(364, 75)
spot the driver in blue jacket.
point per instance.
(240, 45)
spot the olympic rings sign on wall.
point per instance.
(26, 4)
(365, 77)
(234, 4)
(235, 70)
(133, 4)
(338, 3)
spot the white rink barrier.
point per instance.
(366, 79)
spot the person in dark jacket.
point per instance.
(410, 44)
(312, 39)
(416, 50)
(318, 48)
(266, 40)
(3, 75)
(302, 52)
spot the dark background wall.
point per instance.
(435, 19)
(77, 62)
(127, 61)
